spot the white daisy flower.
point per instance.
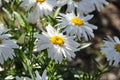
(38, 77)
(82, 6)
(6, 46)
(39, 7)
(77, 25)
(57, 44)
(111, 48)
(99, 4)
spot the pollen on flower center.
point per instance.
(117, 47)
(0, 40)
(57, 40)
(41, 1)
(77, 21)
(77, 0)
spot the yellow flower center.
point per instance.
(0, 40)
(41, 1)
(77, 21)
(77, 0)
(117, 47)
(57, 40)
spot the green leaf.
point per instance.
(56, 12)
(8, 13)
(20, 19)
(84, 45)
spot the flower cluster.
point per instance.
(74, 22)
(46, 7)
(60, 33)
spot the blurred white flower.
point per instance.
(7, 1)
(43, 77)
(22, 78)
(57, 44)
(0, 3)
(38, 77)
(32, 19)
(99, 4)
(82, 6)
(77, 25)
(61, 2)
(2, 28)
(39, 8)
(6, 45)
(111, 49)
